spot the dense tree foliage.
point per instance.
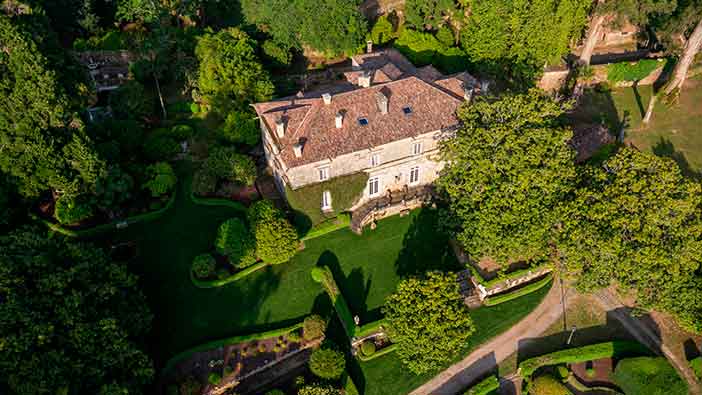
(428, 321)
(230, 75)
(235, 241)
(276, 239)
(241, 128)
(68, 309)
(509, 168)
(226, 163)
(333, 27)
(637, 221)
(429, 13)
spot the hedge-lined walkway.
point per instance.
(367, 268)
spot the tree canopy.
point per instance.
(509, 167)
(67, 309)
(428, 321)
(637, 221)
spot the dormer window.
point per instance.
(363, 121)
(407, 110)
(323, 173)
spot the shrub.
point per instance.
(277, 52)
(294, 337)
(562, 371)
(327, 363)
(696, 365)
(204, 182)
(203, 266)
(382, 31)
(159, 147)
(161, 179)
(627, 71)
(276, 240)
(182, 132)
(445, 36)
(485, 387)
(235, 241)
(214, 378)
(194, 108)
(313, 327)
(241, 128)
(368, 348)
(131, 101)
(548, 385)
(225, 162)
(648, 376)
(71, 209)
(318, 389)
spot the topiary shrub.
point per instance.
(327, 363)
(236, 241)
(69, 210)
(203, 266)
(161, 179)
(548, 385)
(313, 327)
(368, 348)
(275, 238)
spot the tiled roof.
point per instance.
(312, 122)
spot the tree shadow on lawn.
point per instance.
(665, 148)
(425, 247)
(354, 287)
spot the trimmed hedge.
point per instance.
(307, 201)
(582, 354)
(527, 289)
(378, 354)
(349, 386)
(220, 282)
(230, 340)
(504, 276)
(112, 225)
(484, 387)
(370, 328)
(332, 225)
(325, 277)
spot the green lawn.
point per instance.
(366, 267)
(387, 376)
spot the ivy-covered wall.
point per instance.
(307, 201)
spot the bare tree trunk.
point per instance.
(591, 40)
(160, 96)
(649, 110)
(691, 48)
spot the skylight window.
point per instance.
(407, 110)
(362, 121)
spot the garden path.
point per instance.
(485, 359)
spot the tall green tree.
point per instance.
(428, 321)
(430, 14)
(637, 221)
(509, 167)
(71, 320)
(230, 75)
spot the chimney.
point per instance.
(382, 102)
(369, 46)
(468, 93)
(297, 149)
(364, 80)
(339, 119)
(280, 127)
(327, 98)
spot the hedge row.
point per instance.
(377, 354)
(150, 216)
(369, 328)
(507, 276)
(612, 349)
(235, 277)
(349, 386)
(324, 276)
(484, 387)
(340, 222)
(230, 340)
(527, 289)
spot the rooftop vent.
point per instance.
(364, 80)
(297, 149)
(382, 102)
(327, 98)
(363, 121)
(369, 46)
(468, 93)
(339, 120)
(280, 127)
(407, 110)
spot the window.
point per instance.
(362, 121)
(323, 173)
(407, 110)
(373, 186)
(326, 201)
(417, 148)
(414, 175)
(375, 160)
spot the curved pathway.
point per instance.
(485, 359)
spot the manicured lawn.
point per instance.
(387, 376)
(366, 267)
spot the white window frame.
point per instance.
(373, 181)
(417, 148)
(326, 201)
(375, 160)
(323, 173)
(414, 175)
